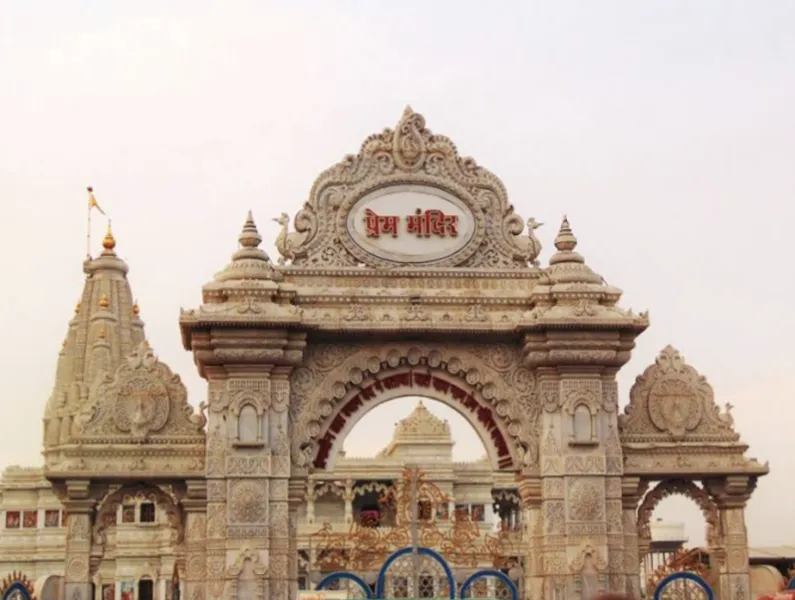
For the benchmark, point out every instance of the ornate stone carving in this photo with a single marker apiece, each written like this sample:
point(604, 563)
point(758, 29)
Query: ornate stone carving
point(585, 392)
point(320, 414)
point(688, 489)
point(671, 401)
point(248, 501)
point(166, 501)
point(585, 498)
point(408, 155)
point(144, 399)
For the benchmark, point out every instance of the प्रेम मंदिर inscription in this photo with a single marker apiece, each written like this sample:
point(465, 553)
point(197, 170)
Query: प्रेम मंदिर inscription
point(423, 224)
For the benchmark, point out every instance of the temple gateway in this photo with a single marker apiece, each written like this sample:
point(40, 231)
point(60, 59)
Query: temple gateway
point(406, 273)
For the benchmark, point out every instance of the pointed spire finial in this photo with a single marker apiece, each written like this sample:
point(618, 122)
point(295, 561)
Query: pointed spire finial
point(408, 111)
point(109, 242)
point(136, 310)
point(250, 237)
point(565, 240)
point(104, 302)
point(77, 308)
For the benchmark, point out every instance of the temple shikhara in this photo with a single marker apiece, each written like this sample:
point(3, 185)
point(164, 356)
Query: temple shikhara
point(406, 274)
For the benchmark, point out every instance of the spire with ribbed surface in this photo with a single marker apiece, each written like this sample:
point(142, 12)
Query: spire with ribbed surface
point(104, 329)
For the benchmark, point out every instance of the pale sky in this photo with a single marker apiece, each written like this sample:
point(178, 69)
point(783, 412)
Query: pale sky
point(665, 130)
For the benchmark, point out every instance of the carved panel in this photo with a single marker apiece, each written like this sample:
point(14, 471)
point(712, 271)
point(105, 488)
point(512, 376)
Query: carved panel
point(585, 499)
point(248, 501)
point(672, 401)
point(490, 377)
point(408, 155)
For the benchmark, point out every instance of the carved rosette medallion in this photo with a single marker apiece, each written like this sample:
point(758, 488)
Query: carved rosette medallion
point(141, 406)
point(674, 407)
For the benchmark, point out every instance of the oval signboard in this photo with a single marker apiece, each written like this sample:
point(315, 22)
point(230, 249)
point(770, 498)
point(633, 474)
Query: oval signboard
point(410, 224)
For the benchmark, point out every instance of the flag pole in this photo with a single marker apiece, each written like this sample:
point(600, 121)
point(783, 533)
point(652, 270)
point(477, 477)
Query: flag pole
point(88, 224)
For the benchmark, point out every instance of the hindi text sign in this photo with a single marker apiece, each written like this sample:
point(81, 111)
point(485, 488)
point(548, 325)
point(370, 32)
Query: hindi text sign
point(410, 224)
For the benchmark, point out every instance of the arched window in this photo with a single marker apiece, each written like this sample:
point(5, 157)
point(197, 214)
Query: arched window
point(582, 425)
point(248, 425)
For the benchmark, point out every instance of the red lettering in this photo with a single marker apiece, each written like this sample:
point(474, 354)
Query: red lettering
point(338, 423)
point(375, 224)
point(422, 380)
point(432, 223)
point(484, 414)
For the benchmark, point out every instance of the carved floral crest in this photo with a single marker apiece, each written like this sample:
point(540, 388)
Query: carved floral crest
point(671, 401)
point(145, 399)
point(409, 155)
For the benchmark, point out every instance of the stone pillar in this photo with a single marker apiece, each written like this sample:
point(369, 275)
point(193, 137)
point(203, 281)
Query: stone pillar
point(731, 494)
point(632, 490)
point(581, 464)
point(347, 496)
point(282, 533)
point(295, 499)
point(310, 501)
point(79, 509)
point(195, 531)
point(530, 495)
point(217, 501)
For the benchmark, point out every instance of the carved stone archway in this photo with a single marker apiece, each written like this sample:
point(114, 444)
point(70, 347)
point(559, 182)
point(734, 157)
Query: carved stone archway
point(337, 385)
point(108, 507)
point(678, 487)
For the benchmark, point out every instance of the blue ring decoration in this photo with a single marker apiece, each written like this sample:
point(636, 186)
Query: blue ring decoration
point(17, 586)
point(687, 576)
point(379, 587)
point(791, 584)
point(490, 573)
point(345, 575)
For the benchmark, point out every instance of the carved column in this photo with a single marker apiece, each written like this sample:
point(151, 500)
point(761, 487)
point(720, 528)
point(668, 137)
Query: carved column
point(348, 498)
point(632, 490)
point(79, 508)
point(283, 575)
point(310, 500)
point(195, 531)
point(296, 498)
point(731, 494)
point(581, 461)
point(218, 442)
point(530, 494)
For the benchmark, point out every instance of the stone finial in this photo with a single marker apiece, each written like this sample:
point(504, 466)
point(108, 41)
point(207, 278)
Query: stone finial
point(565, 240)
point(109, 242)
point(250, 237)
point(249, 261)
point(77, 308)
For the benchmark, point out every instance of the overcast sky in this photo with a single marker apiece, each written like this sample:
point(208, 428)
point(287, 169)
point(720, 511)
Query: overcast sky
point(665, 130)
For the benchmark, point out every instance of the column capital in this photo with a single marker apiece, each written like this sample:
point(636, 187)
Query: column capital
point(632, 491)
point(195, 499)
point(530, 490)
point(732, 491)
point(297, 491)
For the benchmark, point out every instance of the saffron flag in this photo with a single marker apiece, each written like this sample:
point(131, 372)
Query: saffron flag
point(92, 202)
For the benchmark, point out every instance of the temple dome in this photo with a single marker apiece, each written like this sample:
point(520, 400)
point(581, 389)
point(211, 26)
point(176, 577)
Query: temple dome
point(421, 424)
point(106, 327)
